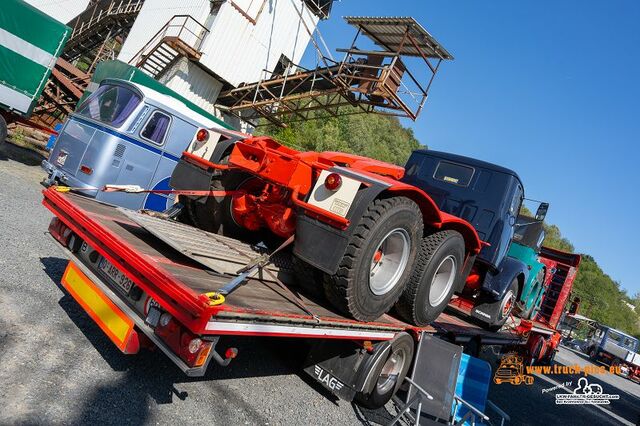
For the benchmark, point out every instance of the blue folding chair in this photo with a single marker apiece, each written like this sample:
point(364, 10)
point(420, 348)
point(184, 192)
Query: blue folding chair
point(447, 387)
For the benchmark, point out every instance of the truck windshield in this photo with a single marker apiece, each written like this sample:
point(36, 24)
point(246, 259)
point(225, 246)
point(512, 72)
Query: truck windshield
point(110, 105)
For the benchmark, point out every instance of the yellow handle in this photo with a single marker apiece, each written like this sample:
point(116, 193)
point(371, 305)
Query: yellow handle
point(63, 189)
point(215, 298)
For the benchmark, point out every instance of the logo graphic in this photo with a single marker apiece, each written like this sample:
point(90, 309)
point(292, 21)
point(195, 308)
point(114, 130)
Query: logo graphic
point(326, 379)
point(511, 370)
point(586, 393)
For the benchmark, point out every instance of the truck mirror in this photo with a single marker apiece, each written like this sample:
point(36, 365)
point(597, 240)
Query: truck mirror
point(542, 211)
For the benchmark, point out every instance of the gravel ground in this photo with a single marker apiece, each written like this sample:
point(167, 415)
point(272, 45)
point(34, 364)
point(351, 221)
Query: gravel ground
point(56, 365)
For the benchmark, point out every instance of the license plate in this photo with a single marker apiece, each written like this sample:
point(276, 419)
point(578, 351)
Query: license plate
point(62, 158)
point(116, 276)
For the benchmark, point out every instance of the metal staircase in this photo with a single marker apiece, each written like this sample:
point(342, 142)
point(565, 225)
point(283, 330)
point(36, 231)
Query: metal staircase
point(182, 36)
point(100, 22)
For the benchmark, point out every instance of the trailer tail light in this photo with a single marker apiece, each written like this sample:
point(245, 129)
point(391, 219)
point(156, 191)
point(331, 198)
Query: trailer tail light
point(60, 231)
point(86, 169)
point(333, 182)
point(202, 135)
point(189, 347)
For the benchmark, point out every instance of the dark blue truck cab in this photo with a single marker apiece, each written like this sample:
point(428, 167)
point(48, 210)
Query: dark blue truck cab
point(489, 197)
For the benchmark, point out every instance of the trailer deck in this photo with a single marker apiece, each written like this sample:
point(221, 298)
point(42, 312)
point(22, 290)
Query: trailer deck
point(260, 307)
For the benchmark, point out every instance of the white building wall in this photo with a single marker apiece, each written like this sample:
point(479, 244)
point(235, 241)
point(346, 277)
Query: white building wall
point(192, 82)
point(154, 15)
point(63, 11)
point(239, 51)
point(235, 49)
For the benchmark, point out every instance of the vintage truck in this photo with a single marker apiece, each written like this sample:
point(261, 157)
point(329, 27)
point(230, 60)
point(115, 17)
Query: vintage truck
point(368, 235)
point(526, 245)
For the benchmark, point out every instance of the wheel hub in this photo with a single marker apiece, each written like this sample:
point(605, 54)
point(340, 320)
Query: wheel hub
point(391, 371)
point(389, 261)
point(442, 280)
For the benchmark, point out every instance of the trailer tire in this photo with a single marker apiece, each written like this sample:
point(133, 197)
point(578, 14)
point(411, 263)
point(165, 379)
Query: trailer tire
point(505, 306)
point(432, 282)
point(3, 130)
point(389, 374)
point(308, 278)
point(365, 286)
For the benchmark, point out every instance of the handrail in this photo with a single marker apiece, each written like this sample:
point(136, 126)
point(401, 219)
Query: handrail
point(163, 33)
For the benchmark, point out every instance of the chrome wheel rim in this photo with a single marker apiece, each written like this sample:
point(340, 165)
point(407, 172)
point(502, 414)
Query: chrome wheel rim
point(507, 304)
point(442, 280)
point(391, 371)
point(389, 261)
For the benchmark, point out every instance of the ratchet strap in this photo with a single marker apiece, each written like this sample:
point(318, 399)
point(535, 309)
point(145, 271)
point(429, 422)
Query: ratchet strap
point(258, 263)
point(135, 189)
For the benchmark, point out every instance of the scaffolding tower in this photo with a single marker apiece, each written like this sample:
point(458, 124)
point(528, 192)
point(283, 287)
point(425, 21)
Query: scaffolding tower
point(382, 79)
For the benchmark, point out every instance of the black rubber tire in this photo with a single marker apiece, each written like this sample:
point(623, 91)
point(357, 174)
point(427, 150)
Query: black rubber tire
point(348, 289)
point(308, 278)
point(3, 130)
point(214, 213)
point(593, 354)
point(375, 399)
point(499, 321)
point(414, 305)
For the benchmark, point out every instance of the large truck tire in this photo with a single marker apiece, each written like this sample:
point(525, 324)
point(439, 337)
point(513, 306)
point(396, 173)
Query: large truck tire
point(432, 283)
point(378, 261)
point(308, 278)
point(389, 374)
point(213, 214)
point(3, 130)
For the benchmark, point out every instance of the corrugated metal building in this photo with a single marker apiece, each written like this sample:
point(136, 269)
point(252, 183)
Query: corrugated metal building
point(63, 11)
point(233, 41)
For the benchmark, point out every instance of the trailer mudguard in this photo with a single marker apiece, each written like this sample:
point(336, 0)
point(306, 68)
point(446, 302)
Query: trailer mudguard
point(322, 245)
point(345, 368)
point(496, 285)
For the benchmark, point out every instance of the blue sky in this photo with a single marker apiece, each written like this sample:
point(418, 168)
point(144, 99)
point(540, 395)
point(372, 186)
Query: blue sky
point(548, 88)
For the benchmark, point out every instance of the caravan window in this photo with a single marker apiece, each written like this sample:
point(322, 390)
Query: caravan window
point(156, 127)
point(110, 104)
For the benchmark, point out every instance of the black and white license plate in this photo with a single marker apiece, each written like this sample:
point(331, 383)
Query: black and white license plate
point(116, 276)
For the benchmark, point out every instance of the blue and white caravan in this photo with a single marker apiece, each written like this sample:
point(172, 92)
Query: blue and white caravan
point(123, 134)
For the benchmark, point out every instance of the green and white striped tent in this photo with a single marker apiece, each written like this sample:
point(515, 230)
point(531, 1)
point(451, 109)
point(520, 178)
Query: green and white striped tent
point(30, 44)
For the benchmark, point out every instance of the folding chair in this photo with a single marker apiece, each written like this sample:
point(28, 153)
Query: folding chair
point(446, 387)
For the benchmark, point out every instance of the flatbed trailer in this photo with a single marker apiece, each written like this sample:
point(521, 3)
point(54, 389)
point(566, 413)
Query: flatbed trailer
point(145, 291)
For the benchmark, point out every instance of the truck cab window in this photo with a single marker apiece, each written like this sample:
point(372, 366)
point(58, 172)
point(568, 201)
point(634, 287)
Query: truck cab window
point(456, 174)
point(156, 127)
point(110, 105)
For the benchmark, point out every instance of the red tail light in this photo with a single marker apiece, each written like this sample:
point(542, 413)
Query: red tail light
point(86, 170)
point(333, 182)
point(202, 135)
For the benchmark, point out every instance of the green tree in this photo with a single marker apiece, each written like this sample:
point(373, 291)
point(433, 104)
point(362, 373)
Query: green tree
point(370, 135)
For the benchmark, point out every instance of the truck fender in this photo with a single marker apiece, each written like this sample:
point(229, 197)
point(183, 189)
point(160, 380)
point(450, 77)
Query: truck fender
point(434, 218)
point(496, 285)
point(323, 246)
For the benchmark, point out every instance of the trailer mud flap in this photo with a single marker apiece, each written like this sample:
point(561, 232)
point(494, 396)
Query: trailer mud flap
point(115, 323)
point(343, 367)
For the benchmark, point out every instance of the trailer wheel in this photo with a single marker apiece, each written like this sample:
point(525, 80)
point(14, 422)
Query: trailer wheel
point(378, 260)
point(593, 354)
point(505, 306)
point(433, 280)
point(3, 130)
point(390, 374)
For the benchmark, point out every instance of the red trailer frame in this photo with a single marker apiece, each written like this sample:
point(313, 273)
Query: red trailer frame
point(177, 289)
